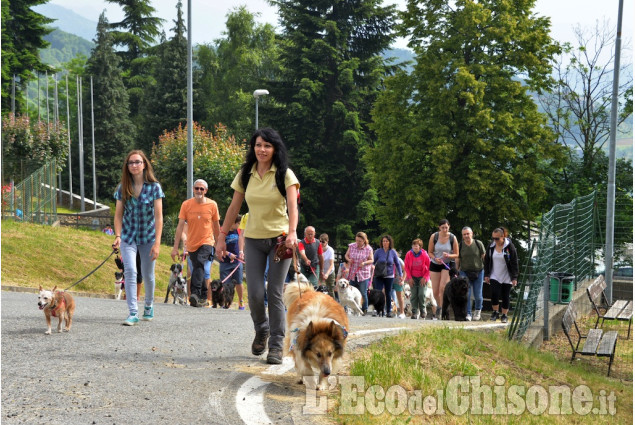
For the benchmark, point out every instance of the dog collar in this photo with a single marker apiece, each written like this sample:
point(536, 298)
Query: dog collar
point(58, 306)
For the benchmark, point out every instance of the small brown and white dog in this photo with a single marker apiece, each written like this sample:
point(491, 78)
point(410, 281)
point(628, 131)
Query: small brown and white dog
point(317, 327)
point(57, 304)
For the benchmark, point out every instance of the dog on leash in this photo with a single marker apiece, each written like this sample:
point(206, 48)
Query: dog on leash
point(177, 285)
point(217, 293)
point(350, 296)
point(428, 299)
point(455, 295)
point(377, 299)
point(58, 304)
point(317, 327)
point(120, 284)
point(228, 293)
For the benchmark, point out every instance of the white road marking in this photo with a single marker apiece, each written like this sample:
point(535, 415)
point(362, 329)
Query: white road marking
point(250, 397)
point(250, 402)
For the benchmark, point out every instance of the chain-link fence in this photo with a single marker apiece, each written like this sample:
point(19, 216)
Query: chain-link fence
point(566, 245)
point(34, 199)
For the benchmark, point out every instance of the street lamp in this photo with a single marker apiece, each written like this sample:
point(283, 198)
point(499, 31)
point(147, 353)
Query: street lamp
point(257, 94)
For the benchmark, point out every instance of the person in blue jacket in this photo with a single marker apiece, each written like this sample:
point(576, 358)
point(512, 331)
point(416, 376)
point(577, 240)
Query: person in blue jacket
point(386, 263)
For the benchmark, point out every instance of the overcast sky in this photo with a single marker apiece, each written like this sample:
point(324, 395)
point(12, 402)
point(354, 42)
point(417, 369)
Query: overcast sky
point(208, 17)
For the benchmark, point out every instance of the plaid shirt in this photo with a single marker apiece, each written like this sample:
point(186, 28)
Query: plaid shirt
point(138, 215)
point(358, 256)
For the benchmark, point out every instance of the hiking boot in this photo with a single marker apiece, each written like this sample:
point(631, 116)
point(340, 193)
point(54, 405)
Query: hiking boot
point(148, 313)
point(477, 315)
point(494, 316)
point(131, 320)
point(274, 356)
point(389, 315)
point(414, 316)
point(193, 300)
point(260, 343)
point(504, 318)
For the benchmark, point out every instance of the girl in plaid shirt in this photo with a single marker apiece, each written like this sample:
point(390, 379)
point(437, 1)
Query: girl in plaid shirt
point(360, 257)
point(138, 225)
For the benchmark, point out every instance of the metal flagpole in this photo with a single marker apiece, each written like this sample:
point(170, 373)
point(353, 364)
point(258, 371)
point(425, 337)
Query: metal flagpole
point(190, 149)
point(80, 126)
point(68, 134)
point(92, 125)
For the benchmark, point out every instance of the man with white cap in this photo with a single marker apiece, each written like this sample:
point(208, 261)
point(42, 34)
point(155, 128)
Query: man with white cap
point(202, 217)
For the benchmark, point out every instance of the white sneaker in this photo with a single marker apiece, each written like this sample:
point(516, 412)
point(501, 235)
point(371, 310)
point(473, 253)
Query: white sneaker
point(477, 315)
point(468, 317)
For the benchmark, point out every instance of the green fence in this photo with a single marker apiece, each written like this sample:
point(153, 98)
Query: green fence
point(34, 199)
point(566, 243)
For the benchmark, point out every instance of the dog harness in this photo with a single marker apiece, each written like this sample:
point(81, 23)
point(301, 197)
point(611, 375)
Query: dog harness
point(296, 331)
point(59, 306)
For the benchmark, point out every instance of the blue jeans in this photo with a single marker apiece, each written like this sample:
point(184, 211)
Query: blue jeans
point(385, 283)
point(129, 257)
point(363, 288)
point(476, 289)
point(227, 268)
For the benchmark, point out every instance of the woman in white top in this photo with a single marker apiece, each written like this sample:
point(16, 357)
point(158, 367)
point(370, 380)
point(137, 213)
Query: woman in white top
point(443, 250)
point(501, 271)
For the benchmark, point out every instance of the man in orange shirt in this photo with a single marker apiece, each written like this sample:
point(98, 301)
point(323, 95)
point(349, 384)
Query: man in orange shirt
point(203, 226)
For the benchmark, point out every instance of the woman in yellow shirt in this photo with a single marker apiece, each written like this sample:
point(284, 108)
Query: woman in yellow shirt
point(270, 189)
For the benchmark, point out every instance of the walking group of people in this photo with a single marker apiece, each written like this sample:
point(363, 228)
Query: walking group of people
point(270, 189)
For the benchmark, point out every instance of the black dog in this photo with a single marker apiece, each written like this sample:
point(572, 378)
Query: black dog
point(377, 299)
point(217, 293)
point(228, 293)
point(455, 295)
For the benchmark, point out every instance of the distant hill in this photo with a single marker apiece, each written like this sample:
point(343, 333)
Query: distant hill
point(64, 47)
point(68, 21)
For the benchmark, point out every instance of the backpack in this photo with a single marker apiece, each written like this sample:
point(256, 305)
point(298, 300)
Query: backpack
point(452, 238)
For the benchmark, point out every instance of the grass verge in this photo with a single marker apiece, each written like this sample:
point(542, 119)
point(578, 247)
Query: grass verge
point(34, 255)
point(435, 363)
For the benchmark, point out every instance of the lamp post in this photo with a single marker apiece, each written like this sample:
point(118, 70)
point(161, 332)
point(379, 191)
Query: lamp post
point(257, 94)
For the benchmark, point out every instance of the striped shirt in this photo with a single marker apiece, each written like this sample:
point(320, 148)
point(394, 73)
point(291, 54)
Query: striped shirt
point(358, 256)
point(138, 215)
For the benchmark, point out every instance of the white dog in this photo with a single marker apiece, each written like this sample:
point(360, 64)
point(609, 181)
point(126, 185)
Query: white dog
point(350, 296)
point(428, 298)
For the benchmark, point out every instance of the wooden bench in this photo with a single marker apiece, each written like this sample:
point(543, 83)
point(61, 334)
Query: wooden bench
point(620, 310)
point(596, 342)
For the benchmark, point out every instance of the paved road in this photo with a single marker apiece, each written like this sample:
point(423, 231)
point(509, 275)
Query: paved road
point(187, 366)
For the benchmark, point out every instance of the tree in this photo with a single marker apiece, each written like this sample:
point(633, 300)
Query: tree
point(22, 37)
point(233, 68)
point(217, 160)
point(579, 108)
point(137, 32)
point(165, 103)
point(332, 71)
point(114, 132)
point(461, 137)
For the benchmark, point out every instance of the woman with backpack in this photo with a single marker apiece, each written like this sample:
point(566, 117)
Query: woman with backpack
point(270, 189)
point(443, 250)
point(470, 263)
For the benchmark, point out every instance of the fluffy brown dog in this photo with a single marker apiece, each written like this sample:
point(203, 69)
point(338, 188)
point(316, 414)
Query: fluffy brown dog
point(317, 327)
point(57, 304)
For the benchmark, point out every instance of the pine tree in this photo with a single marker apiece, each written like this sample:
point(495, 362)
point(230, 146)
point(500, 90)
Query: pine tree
point(22, 37)
point(114, 133)
point(165, 103)
point(332, 75)
point(137, 33)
